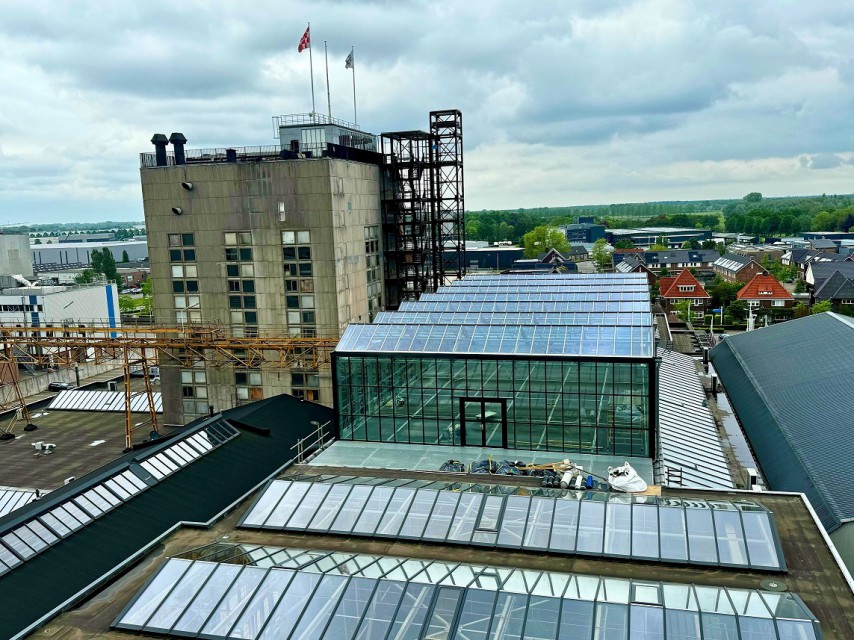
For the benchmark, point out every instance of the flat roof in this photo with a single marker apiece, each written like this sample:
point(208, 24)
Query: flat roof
point(812, 575)
point(85, 440)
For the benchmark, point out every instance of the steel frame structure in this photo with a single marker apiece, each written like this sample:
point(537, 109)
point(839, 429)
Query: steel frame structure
point(407, 215)
point(150, 346)
point(423, 207)
point(449, 227)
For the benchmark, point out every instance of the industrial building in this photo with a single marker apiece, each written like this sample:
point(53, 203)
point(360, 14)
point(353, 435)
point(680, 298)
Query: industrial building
point(326, 228)
point(269, 544)
point(583, 232)
point(645, 237)
point(37, 306)
point(15, 255)
point(46, 257)
point(790, 387)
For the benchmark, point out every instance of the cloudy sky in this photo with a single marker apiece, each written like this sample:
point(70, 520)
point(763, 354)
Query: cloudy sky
point(564, 102)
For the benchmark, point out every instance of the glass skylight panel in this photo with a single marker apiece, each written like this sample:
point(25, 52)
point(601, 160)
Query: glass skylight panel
point(362, 596)
point(601, 524)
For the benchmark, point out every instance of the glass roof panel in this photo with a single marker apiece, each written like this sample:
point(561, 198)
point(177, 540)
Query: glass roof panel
point(456, 600)
point(562, 521)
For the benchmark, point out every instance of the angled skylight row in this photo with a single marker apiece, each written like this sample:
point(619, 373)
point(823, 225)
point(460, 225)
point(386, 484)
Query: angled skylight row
point(720, 533)
point(564, 340)
point(630, 319)
point(529, 305)
point(26, 540)
point(340, 596)
point(187, 450)
point(522, 295)
point(11, 499)
point(43, 531)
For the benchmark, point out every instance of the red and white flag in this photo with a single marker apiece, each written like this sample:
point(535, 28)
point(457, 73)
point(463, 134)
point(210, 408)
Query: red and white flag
point(305, 41)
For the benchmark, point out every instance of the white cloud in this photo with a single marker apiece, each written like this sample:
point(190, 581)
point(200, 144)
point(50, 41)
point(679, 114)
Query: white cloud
point(572, 103)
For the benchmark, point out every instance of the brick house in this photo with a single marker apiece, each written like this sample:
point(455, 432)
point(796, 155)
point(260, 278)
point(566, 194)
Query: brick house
point(732, 267)
point(764, 290)
point(684, 286)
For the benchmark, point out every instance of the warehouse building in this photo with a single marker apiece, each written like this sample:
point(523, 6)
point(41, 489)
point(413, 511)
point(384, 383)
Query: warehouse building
point(790, 385)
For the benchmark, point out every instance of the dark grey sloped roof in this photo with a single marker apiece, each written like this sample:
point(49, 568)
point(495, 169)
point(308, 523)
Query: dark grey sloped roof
point(65, 572)
point(681, 255)
point(790, 385)
point(821, 271)
point(836, 287)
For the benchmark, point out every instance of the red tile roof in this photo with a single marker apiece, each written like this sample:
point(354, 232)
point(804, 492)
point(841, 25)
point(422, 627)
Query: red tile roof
point(764, 287)
point(670, 289)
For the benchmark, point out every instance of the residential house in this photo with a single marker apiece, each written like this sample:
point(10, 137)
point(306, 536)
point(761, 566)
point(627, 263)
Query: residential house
point(700, 260)
point(684, 286)
point(733, 267)
point(838, 289)
point(819, 271)
point(765, 291)
point(824, 245)
point(634, 264)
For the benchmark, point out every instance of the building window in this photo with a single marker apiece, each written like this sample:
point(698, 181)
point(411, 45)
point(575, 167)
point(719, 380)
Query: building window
point(778, 303)
point(305, 385)
point(299, 283)
point(248, 385)
point(194, 391)
point(240, 271)
point(373, 270)
point(184, 274)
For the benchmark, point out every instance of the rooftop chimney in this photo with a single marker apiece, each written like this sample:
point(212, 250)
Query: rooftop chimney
point(178, 141)
point(160, 141)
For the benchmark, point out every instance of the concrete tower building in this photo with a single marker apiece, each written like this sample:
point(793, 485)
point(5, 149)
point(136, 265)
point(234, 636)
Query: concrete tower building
point(282, 239)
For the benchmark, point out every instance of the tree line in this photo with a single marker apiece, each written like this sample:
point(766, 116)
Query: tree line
point(789, 216)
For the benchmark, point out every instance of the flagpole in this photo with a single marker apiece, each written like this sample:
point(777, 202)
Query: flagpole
point(355, 117)
point(311, 69)
point(328, 96)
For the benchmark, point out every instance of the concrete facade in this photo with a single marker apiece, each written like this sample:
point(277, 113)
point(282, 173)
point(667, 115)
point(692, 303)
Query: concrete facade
point(15, 255)
point(281, 246)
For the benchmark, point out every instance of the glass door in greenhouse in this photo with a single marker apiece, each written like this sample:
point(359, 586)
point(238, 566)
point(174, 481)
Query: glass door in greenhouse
point(484, 422)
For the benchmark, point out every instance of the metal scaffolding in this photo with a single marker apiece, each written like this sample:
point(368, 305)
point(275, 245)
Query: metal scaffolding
point(146, 347)
point(423, 207)
point(407, 216)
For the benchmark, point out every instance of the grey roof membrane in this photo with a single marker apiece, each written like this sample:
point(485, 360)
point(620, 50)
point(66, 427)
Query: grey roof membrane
point(790, 385)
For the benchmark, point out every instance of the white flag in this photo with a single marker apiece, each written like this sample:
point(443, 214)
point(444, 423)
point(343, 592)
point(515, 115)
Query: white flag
point(348, 63)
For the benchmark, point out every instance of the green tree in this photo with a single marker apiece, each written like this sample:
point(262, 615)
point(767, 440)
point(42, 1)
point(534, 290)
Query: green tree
point(738, 310)
point(85, 277)
point(665, 272)
point(723, 293)
point(147, 306)
point(801, 310)
point(753, 196)
point(125, 257)
point(624, 244)
point(127, 304)
point(97, 261)
point(800, 286)
point(691, 244)
point(683, 310)
point(602, 254)
point(37, 241)
point(542, 239)
point(821, 307)
point(709, 244)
